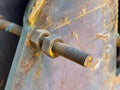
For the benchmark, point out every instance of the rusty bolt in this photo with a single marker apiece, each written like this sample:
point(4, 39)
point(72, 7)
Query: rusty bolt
point(1, 17)
point(48, 43)
point(73, 54)
point(35, 38)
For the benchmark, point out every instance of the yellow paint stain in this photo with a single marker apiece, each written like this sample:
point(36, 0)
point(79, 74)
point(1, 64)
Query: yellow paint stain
point(66, 20)
point(76, 36)
point(37, 74)
point(88, 61)
point(51, 52)
point(116, 26)
point(36, 54)
point(36, 10)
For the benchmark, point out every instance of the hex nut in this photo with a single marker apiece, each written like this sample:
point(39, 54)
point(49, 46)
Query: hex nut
point(48, 45)
point(35, 38)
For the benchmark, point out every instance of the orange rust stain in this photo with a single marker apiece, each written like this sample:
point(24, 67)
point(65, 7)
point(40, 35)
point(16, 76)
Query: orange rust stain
point(106, 25)
point(72, 33)
point(107, 47)
point(115, 81)
point(49, 21)
point(84, 11)
point(27, 43)
point(75, 35)
point(18, 83)
point(27, 65)
point(106, 56)
point(102, 36)
point(63, 23)
point(110, 2)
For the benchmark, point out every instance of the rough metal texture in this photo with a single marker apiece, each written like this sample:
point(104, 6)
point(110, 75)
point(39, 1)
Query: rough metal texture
point(90, 25)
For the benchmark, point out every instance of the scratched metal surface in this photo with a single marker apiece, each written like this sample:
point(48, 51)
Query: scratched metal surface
point(89, 25)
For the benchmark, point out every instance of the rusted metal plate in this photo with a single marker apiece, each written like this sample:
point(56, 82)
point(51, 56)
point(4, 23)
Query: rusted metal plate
point(89, 25)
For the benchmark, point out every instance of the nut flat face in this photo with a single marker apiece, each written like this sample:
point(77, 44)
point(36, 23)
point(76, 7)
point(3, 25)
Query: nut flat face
point(48, 43)
point(35, 38)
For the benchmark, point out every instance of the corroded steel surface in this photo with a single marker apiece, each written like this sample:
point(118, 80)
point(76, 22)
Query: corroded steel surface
point(89, 25)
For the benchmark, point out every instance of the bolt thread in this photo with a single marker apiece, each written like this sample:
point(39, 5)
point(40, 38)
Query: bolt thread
point(71, 53)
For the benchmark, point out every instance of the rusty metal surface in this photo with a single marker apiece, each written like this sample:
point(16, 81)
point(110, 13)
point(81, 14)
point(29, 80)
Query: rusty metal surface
point(89, 25)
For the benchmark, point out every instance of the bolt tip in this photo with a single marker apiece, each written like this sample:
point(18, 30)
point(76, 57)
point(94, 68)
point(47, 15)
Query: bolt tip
point(88, 61)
